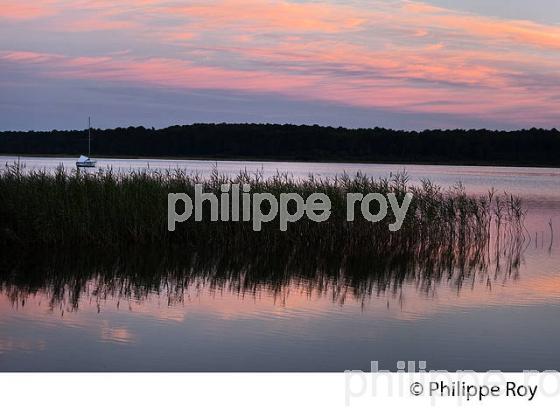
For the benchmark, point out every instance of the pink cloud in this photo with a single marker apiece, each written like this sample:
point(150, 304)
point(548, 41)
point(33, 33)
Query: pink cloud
point(365, 92)
point(402, 55)
point(271, 15)
point(27, 56)
point(177, 73)
point(21, 10)
point(24, 10)
point(97, 24)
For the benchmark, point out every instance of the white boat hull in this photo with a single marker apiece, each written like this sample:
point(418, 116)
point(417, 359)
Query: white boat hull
point(86, 164)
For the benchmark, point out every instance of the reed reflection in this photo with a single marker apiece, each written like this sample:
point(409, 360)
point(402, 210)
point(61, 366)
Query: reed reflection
point(68, 276)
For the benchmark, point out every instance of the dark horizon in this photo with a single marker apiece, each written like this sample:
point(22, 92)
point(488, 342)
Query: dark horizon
point(532, 147)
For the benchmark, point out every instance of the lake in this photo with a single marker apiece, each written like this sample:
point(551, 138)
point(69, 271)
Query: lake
point(504, 317)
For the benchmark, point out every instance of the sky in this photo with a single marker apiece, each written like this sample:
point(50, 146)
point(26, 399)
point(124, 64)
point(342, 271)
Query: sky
point(392, 63)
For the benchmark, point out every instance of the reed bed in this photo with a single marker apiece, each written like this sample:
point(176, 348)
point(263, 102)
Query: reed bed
point(68, 232)
point(109, 209)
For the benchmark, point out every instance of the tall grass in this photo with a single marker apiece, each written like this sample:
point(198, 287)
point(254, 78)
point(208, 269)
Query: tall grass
point(108, 209)
point(111, 209)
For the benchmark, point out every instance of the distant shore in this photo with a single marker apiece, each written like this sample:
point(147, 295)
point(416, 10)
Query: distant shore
point(291, 143)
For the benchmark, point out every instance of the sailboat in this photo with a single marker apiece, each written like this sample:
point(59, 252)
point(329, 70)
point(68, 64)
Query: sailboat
point(83, 161)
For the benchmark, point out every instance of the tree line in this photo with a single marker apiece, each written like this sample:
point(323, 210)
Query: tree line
point(298, 143)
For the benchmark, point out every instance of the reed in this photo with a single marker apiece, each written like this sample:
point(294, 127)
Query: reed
point(107, 209)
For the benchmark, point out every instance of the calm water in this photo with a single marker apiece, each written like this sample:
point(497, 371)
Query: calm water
point(504, 318)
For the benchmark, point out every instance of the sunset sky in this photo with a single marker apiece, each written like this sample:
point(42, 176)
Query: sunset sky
point(392, 63)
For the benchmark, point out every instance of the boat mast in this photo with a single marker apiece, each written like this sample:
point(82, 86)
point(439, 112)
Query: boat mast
point(89, 136)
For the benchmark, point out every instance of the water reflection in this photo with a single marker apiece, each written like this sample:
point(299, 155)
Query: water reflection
point(70, 276)
point(314, 308)
point(163, 309)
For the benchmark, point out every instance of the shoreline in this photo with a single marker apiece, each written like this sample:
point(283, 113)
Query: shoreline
point(504, 164)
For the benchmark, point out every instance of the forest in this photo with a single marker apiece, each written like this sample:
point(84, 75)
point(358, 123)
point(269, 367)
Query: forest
point(534, 146)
